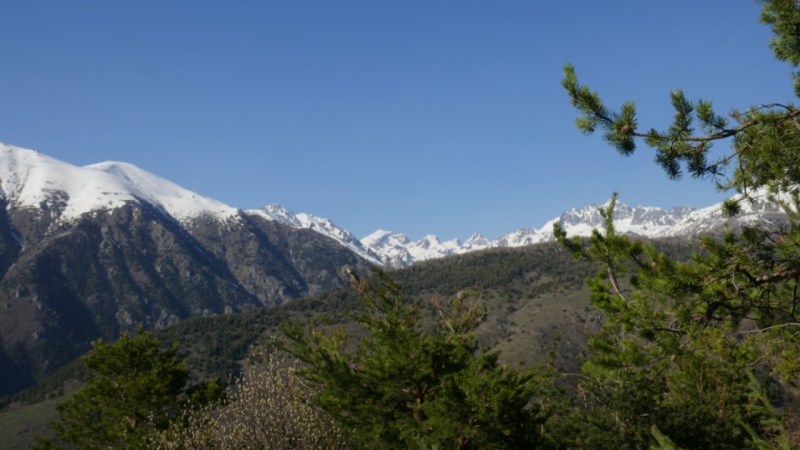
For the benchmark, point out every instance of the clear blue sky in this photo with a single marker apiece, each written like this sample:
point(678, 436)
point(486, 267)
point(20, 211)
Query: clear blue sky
point(420, 116)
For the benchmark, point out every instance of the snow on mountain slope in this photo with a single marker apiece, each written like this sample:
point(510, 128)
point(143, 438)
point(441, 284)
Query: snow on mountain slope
point(180, 203)
point(640, 220)
point(392, 248)
point(396, 250)
point(705, 220)
point(31, 179)
point(431, 247)
point(319, 224)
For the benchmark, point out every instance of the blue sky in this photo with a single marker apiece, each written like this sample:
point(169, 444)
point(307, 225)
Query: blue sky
point(443, 117)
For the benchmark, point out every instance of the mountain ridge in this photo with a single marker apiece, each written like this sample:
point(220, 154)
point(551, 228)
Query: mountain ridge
point(397, 250)
point(26, 178)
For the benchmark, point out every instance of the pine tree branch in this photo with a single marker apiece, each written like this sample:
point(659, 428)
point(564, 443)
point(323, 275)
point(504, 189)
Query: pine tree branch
point(772, 327)
point(780, 276)
point(725, 133)
point(612, 277)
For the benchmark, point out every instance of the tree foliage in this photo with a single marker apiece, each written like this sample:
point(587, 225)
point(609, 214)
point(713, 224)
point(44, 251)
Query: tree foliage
point(133, 387)
point(415, 383)
point(677, 351)
point(697, 354)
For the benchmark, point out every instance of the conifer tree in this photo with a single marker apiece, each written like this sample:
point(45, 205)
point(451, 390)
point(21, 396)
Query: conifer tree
point(696, 354)
point(415, 384)
point(132, 388)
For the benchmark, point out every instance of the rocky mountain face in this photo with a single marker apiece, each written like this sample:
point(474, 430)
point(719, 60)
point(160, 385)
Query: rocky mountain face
point(319, 225)
point(92, 252)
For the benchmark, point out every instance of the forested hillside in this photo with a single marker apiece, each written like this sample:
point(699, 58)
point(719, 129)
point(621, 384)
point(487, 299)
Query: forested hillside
point(536, 301)
point(535, 298)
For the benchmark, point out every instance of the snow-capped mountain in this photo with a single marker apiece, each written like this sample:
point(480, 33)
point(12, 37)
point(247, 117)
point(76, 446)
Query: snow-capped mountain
point(31, 179)
point(396, 250)
point(89, 252)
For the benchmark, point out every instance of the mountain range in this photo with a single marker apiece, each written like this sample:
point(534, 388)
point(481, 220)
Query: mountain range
point(30, 179)
point(396, 250)
point(91, 252)
point(393, 250)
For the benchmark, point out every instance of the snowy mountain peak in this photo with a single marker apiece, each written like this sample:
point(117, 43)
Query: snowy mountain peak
point(428, 241)
point(177, 201)
point(477, 241)
point(320, 225)
point(278, 213)
point(30, 179)
point(391, 248)
point(383, 238)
